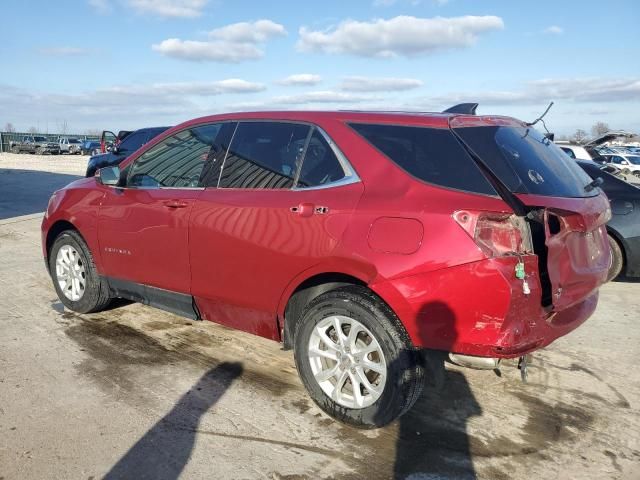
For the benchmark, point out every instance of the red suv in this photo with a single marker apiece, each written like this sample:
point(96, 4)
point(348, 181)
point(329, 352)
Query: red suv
point(354, 238)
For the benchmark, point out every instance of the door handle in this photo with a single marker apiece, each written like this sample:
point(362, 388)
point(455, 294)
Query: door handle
point(175, 203)
point(308, 209)
point(304, 209)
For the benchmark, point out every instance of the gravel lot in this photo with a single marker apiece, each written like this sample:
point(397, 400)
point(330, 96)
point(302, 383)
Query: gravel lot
point(139, 393)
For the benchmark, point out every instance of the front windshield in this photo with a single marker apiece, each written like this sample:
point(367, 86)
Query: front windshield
point(634, 159)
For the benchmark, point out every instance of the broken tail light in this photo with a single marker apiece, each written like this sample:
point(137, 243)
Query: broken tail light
point(496, 233)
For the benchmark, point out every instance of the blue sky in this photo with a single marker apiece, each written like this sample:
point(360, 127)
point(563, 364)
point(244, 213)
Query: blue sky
point(120, 64)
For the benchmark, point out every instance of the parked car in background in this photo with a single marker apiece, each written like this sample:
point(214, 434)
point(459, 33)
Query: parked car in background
point(132, 141)
point(624, 227)
point(588, 151)
point(34, 144)
point(355, 238)
point(70, 145)
point(90, 147)
point(628, 162)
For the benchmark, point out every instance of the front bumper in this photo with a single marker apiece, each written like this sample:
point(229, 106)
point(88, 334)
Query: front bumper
point(481, 309)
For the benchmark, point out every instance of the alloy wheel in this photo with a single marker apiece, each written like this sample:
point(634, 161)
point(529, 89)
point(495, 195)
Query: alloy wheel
point(70, 273)
point(347, 361)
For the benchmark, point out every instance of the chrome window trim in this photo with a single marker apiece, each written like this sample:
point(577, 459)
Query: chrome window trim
point(350, 175)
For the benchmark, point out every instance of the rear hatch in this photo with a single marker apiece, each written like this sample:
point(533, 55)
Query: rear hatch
point(540, 181)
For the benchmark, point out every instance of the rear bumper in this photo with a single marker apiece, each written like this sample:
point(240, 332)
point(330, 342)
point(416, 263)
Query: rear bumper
point(481, 309)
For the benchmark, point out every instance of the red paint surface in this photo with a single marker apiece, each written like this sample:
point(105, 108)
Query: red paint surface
point(242, 253)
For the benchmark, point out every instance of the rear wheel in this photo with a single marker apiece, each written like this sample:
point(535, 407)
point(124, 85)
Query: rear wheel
point(74, 275)
point(355, 358)
point(617, 259)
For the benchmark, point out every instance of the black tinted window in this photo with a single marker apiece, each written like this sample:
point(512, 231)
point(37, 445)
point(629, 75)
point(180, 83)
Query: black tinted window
point(320, 164)
point(215, 159)
point(430, 154)
point(133, 142)
point(525, 161)
point(177, 161)
point(264, 155)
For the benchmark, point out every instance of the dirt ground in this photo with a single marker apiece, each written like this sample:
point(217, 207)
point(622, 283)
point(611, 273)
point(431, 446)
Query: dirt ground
point(135, 392)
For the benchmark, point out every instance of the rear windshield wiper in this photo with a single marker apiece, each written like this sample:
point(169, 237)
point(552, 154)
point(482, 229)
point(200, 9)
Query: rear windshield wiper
point(596, 183)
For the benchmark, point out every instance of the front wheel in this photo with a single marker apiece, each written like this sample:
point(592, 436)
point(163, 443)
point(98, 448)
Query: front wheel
point(39, 151)
point(75, 278)
point(355, 358)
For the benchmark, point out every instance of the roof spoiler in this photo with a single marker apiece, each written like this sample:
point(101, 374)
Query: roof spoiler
point(463, 108)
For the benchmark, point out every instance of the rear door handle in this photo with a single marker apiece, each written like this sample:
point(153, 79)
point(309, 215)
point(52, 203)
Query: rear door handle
point(175, 203)
point(304, 209)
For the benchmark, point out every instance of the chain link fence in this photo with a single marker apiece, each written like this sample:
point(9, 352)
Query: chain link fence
point(8, 138)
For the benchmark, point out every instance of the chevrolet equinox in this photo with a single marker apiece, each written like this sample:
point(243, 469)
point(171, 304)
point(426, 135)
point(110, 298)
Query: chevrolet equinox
point(355, 238)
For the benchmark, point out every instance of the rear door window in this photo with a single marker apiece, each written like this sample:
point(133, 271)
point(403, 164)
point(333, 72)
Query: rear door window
point(320, 165)
point(432, 155)
point(526, 161)
point(264, 155)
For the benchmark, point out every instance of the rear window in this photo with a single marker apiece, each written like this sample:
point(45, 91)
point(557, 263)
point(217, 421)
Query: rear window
point(526, 161)
point(432, 155)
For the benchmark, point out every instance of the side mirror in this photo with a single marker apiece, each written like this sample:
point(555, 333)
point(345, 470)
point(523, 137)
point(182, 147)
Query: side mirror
point(109, 176)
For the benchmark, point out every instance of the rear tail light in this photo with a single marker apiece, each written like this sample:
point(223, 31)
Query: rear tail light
point(496, 233)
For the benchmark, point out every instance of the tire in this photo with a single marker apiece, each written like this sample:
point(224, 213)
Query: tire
point(401, 363)
point(39, 151)
point(95, 295)
point(617, 261)
point(15, 150)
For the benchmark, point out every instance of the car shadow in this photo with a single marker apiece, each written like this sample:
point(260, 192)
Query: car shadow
point(432, 439)
point(24, 192)
point(163, 452)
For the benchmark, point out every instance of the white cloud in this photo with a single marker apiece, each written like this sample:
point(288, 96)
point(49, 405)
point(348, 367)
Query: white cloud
point(300, 79)
point(249, 32)
point(398, 36)
point(169, 8)
point(539, 92)
point(121, 106)
point(231, 85)
point(63, 51)
point(101, 6)
point(198, 51)
point(554, 30)
point(367, 84)
point(322, 96)
point(233, 43)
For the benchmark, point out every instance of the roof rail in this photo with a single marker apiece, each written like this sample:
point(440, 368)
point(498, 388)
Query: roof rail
point(463, 108)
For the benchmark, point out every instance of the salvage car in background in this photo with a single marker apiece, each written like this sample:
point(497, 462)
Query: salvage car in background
point(34, 144)
point(71, 146)
point(624, 227)
point(355, 238)
point(587, 150)
point(623, 161)
point(132, 141)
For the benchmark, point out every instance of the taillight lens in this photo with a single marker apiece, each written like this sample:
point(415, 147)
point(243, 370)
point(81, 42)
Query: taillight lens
point(496, 233)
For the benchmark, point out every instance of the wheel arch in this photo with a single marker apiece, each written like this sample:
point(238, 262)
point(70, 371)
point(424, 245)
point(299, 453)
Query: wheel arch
point(56, 229)
point(304, 291)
